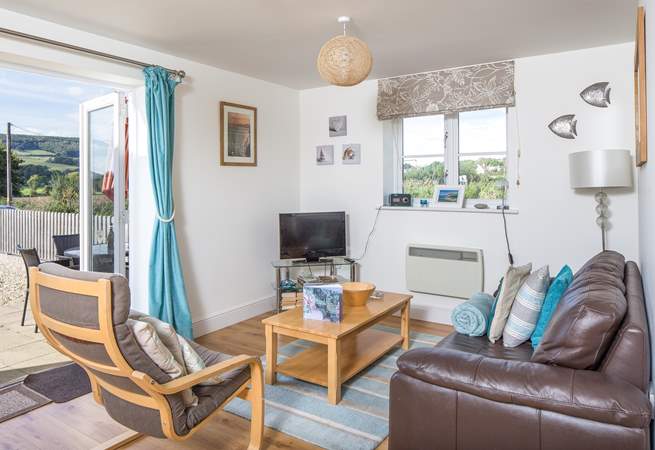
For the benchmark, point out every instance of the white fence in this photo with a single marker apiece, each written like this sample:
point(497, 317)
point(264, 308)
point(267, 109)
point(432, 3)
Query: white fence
point(34, 229)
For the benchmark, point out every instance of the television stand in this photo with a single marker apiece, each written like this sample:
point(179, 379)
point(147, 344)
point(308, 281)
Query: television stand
point(333, 263)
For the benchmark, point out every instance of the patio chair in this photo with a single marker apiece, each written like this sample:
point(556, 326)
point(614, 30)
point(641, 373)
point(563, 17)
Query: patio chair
point(65, 242)
point(84, 314)
point(30, 259)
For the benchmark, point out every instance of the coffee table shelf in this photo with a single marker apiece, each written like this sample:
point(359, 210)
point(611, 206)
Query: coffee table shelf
point(357, 353)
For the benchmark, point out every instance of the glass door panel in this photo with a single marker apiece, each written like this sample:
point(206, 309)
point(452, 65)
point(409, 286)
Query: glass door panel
point(102, 181)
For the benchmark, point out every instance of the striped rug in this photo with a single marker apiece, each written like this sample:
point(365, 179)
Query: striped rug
point(358, 422)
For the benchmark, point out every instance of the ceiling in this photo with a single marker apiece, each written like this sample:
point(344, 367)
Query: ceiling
point(278, 40)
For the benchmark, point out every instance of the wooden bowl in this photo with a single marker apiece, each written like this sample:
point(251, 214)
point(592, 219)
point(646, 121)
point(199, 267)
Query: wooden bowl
point(356, 293)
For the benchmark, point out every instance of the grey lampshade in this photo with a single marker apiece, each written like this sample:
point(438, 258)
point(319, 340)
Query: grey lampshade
point(600, 169)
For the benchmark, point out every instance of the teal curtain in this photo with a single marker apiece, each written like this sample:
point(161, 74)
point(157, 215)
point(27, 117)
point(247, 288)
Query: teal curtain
point(167, 294)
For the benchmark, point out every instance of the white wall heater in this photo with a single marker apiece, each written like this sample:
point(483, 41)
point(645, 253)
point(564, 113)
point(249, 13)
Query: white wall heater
point(447, 271)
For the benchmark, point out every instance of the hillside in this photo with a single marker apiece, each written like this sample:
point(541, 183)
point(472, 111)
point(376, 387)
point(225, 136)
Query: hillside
point(52, 145)
point(44, 155)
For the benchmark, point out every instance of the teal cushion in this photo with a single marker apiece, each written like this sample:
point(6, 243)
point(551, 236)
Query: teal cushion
point(554, 294)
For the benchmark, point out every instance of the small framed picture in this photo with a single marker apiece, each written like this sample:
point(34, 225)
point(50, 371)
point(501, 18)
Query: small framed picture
point(325, 155)
point(238, 135)
point(338, 126)
point(351, 154)
point(449, 196)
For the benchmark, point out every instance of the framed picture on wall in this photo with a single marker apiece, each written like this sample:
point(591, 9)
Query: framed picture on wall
point(449, 196)
point(641, 133)
point(238, 124)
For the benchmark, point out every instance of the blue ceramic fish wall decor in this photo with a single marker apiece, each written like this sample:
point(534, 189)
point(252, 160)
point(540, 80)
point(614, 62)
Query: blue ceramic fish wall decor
point(564, 126)
point(598, 94)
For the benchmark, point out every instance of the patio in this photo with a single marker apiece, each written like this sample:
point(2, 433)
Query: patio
point(21, 350)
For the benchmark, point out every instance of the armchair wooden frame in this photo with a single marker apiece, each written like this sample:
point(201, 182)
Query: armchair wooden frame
point(252, 390)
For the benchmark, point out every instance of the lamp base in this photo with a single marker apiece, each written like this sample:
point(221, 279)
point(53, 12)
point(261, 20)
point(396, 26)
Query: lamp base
point(602, 211)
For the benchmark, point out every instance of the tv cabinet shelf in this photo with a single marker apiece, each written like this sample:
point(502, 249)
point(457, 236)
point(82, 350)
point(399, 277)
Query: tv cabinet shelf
point(329, 265)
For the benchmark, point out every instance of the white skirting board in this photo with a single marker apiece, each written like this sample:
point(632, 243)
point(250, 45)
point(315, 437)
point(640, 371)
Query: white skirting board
point(431, 313)
point(232, 316)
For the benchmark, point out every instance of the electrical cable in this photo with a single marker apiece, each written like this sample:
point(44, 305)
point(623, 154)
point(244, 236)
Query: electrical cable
point(502, 212)
point(368, 239)
point(33, 133)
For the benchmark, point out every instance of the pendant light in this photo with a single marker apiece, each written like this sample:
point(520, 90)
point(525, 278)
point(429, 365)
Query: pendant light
point(344, 60)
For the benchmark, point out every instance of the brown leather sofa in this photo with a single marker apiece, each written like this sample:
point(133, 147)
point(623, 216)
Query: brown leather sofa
point(584, 387)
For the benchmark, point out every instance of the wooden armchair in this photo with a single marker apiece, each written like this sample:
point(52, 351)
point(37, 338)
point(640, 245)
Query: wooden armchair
point(83, 315)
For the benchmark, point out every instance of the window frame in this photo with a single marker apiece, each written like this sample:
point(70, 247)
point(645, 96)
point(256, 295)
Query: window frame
point(451, 155)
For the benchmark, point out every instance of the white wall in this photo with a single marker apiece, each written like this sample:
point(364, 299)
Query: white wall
point(554, 225)
point(647, 181)
point(225, 216)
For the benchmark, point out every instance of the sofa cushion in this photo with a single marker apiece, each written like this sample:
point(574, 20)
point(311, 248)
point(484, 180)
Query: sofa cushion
point(526, 308)
point(512, 282)
point(480, 345)
point(554, 295)
point(588, 315)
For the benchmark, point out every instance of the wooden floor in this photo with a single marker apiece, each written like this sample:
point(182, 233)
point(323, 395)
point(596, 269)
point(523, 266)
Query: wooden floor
point(81, 424)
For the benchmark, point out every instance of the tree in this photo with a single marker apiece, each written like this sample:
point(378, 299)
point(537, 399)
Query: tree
point(64, 193)
point(16, 172)
point(33, 184)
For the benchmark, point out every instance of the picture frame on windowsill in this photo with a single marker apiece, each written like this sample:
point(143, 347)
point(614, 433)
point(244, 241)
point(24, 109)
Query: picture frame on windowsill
point(448, 196)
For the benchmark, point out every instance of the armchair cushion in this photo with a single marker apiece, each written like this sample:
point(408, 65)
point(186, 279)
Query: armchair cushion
point(580, 393)
point(211, 397)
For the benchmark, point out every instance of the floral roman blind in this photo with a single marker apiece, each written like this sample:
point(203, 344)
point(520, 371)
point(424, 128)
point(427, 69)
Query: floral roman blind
point(446, 91)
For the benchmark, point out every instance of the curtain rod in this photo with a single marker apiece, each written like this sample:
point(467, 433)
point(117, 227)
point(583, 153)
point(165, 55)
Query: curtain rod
point(178, 73)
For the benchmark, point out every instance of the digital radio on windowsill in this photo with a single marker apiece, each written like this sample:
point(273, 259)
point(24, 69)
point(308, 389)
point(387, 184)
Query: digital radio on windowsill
point(400, 200)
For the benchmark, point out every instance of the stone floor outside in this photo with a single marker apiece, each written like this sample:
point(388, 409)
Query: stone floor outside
point(22, 351)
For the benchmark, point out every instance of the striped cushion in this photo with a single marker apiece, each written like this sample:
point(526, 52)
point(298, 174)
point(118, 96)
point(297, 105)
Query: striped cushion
point(526, 308)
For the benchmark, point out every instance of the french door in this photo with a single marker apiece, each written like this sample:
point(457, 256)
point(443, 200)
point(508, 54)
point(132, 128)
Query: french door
point(103, 184)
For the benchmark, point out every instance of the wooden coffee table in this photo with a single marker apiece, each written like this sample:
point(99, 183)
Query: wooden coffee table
point(347, 347)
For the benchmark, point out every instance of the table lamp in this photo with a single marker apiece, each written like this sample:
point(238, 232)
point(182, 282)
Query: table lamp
point(600, 169)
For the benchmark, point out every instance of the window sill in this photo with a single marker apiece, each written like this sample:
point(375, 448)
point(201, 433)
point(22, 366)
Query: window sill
point(453, 210)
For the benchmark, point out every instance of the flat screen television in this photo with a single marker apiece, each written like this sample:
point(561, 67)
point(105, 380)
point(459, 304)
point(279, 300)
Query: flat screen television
point(312, 235)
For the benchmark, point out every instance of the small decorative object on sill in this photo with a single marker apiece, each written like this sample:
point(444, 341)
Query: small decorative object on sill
point(564, 126)
point(449, 196)
point(344, 60)
point(481, 206)
point(423, 202)
point(598, 94)
point(400, 200)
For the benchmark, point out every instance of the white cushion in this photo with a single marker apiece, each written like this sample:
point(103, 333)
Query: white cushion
point(194, 363)
point(149, 340)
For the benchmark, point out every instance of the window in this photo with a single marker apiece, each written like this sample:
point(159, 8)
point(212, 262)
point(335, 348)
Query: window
point(468, 148)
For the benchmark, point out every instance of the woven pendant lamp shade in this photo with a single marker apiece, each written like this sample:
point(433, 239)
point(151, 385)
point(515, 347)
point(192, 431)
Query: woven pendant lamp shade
point(344, 61)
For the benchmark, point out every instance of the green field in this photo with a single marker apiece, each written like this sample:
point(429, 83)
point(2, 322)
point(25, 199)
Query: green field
point(39, 157)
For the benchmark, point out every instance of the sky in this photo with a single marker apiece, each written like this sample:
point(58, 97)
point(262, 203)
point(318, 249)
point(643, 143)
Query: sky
point(479, 131)
point(43, 104)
